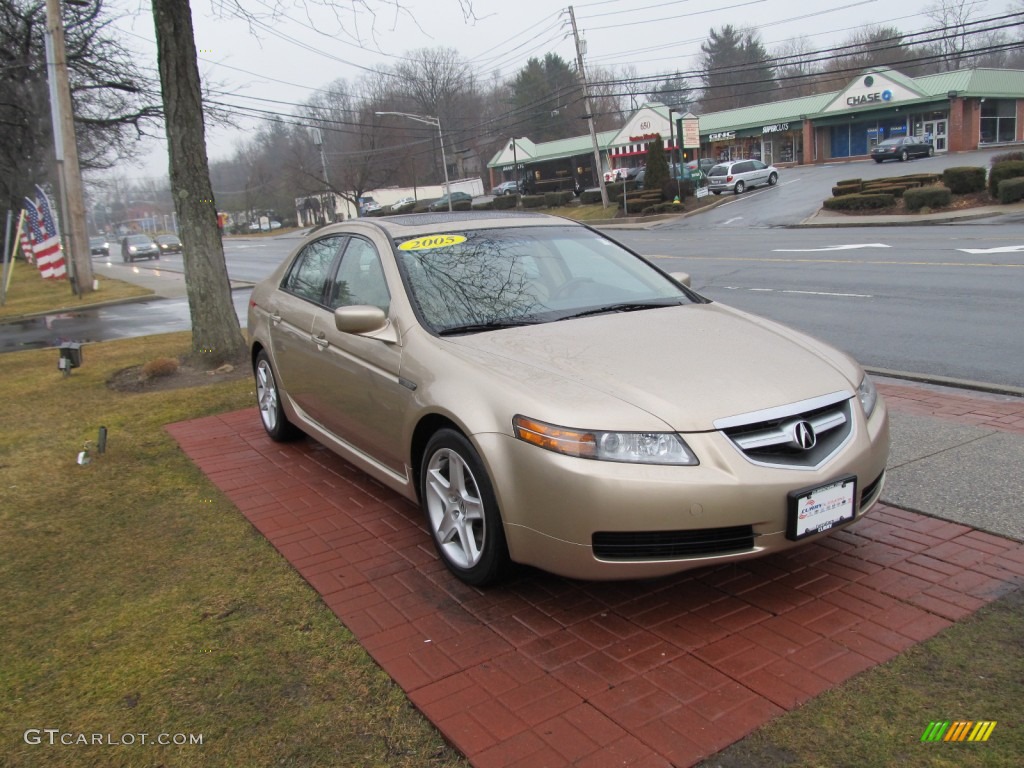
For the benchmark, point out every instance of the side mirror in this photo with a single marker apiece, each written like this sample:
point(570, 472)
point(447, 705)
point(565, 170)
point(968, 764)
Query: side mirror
point(360, 319)
point(681, 277)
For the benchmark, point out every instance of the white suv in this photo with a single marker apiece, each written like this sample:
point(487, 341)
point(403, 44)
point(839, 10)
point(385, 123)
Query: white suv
point(737, 176)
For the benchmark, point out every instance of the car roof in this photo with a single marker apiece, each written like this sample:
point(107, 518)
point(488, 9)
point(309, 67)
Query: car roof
point(415, 224)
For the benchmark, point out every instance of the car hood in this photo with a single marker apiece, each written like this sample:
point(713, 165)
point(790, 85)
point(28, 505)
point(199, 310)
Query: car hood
point(686, 365)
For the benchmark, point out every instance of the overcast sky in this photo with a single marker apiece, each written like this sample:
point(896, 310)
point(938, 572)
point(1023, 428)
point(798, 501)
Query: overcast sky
point(306, 46)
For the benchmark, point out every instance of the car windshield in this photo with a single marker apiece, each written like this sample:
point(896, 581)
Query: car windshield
point(487, 279)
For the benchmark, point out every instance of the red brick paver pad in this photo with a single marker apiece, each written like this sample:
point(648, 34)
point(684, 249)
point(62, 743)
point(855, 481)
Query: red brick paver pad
point(545, 671)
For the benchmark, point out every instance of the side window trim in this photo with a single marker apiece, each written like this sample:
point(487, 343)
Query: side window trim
point(321, 301)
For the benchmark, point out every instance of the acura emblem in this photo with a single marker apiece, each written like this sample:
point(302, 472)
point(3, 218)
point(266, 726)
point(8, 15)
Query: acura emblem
point(803, 435)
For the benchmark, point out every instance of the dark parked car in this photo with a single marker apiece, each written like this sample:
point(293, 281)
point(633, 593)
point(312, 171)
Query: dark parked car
point(441, 204)
point(168, 244)
point(139, 247)
point(901, 149)
point(98, 246)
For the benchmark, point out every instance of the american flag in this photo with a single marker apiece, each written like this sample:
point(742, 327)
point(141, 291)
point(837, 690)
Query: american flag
point(42, 229)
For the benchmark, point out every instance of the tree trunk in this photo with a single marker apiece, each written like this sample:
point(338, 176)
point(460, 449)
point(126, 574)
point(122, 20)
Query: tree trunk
point(216, 334)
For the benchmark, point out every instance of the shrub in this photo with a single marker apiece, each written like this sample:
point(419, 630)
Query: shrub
point(486, 205)
point(861, 202)
point(420, 206)
point(532, 201)
point(1005, 156)
point(845, 189)
point(505, 202)
point(1011, 190)
point(159, 367)
point(462, 205)
point(657, 172)
point(590, 196)
point(964, 180)
point(896, 190)
point(671, 188)
point(1008, 169)
point(557, 199)
point(848, 182)
point(927, 197)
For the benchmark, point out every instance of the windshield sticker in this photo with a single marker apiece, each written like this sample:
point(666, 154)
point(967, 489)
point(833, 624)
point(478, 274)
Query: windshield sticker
point(431, 241)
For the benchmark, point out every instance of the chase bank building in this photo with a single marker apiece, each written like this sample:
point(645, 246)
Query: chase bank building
point(957, 111)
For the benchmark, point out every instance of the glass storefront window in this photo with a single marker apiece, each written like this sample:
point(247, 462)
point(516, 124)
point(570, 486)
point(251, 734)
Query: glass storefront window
point(998, 121)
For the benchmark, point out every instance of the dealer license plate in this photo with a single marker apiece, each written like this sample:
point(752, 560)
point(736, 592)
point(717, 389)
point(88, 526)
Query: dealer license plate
point(819, 508)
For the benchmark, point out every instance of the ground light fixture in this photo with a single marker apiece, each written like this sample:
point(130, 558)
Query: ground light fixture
point(435, 121)
point(70, 356)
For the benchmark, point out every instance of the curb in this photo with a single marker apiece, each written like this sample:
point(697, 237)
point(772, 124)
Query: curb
point(947, 381)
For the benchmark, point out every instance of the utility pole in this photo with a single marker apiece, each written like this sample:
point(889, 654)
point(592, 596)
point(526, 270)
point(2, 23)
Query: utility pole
point(590, 109)
point(318, 140)
point(68, 170)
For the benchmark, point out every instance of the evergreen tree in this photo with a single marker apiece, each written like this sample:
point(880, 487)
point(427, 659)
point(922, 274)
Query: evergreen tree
point(735, 70)
point(545, 98)
point(657, 165)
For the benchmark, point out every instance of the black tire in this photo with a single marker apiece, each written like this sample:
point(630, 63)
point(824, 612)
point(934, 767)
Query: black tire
point(773, 179)
point(904, 156)
point(878, 160)
point(931, 151)
point(716, 192)
point(738, 189)
point(463, 515)
point(268, 398)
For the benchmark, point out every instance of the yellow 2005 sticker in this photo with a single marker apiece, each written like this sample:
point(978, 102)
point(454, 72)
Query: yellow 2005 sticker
point(431, 241)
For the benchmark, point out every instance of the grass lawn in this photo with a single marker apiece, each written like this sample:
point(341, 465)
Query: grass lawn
point(134, 598)
point(29, 293)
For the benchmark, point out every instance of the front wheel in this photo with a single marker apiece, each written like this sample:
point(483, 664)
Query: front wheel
point(931, 151)
point(878, 160)
point(715, 192)
point(268, 397)
point(462, 510)
point(904, 156)
point(740, 186)
point(773, 179)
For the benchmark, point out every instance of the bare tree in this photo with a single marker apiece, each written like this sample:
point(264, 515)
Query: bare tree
point(216, 334)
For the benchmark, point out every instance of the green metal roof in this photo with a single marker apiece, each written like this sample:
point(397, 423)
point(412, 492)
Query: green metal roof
point(997, 83)
point(552, 150)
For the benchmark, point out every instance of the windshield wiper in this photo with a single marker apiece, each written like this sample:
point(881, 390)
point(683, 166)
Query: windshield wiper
point(492, 325)
point(628, 306)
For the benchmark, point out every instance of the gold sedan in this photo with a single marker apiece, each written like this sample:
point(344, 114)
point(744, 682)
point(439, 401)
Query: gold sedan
point(551, 398)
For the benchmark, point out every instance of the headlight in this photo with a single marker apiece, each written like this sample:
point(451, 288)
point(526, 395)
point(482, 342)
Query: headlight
point(632, 447)
point(868, 395)
point(132, 249)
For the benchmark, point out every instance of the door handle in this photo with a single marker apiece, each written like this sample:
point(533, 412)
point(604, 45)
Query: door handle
point(275, 317)
point(321, 341)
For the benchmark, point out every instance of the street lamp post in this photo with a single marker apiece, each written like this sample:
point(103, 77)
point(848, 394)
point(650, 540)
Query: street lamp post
point(435, 121)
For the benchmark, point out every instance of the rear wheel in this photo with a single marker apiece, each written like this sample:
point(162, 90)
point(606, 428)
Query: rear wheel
point(904, 156)
point(738, 189)
point(268, 397)
point(461, 510)
point(931, 151)
point(878, 160)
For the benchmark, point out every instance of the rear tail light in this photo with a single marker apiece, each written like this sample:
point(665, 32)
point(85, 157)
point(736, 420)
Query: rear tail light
point(729, 177)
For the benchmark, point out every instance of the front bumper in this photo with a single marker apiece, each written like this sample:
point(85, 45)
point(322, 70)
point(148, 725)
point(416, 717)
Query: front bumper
point(552, 505)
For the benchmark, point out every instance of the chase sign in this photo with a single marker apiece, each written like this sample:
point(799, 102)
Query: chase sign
point(869, 99)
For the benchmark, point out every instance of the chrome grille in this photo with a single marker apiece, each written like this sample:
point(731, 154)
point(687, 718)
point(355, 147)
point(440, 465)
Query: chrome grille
point(803, 435)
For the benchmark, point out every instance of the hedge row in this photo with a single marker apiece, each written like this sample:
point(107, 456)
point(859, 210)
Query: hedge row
point(860, 202)
point(505, 202)
point(963, 180)
point(1011, 190)
point(1005, 156)
point(557, 199)
point(532, 201)
point(927, 197)
point(1008, 169)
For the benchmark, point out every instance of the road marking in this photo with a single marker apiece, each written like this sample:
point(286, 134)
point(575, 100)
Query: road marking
point(831, 248)
point(730, 221)
point(842, 261)
point(1001, 249)
point(805, 293)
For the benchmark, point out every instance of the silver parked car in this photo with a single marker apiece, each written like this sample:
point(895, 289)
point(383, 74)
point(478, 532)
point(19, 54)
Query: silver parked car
point(738, 175)
point(550, 397)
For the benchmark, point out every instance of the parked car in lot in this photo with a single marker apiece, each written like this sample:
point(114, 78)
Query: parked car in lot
point(441, 204)
point(401, 203)
point(139, 247)
point(550, 397)
point(168, 243)
point(99, 246)
point(740, 175)
point(506, 188)
point(902, 149)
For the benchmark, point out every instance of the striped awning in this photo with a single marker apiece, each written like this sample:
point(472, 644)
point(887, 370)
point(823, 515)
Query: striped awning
point(638, 149)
